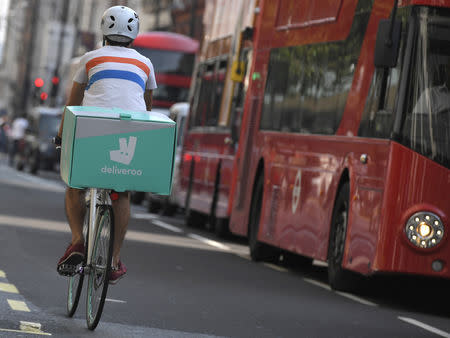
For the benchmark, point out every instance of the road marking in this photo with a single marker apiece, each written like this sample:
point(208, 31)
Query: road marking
point(6, 287)
point(144, 216)
point(29, 328)
point(356, 298)
point(18, 305)
point(115, 300)
point(209, 242)
point(316, 283)
point(2, 274)
point(276, 267)
point(343, 294)
point(245, 256)
point(319, 263)
point(425, 326)
point(28, 332)
point(166, 226)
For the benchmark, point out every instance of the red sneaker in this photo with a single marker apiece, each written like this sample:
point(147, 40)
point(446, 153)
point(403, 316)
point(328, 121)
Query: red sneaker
point(117, 273)
point(73, 256)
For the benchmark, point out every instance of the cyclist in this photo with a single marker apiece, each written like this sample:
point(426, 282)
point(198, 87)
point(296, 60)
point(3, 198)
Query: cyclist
point(112, 76)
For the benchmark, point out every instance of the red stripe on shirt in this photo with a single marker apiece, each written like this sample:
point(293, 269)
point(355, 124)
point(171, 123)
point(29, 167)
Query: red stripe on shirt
point(102, 59)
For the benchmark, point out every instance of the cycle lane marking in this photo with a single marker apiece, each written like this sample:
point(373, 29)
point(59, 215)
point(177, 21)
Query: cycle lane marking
point(424, 326)
point(8, 287)
point(25, 327)
point(18, 305)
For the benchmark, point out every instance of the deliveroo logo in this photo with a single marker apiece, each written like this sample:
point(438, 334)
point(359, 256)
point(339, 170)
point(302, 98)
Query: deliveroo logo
point(125, 154)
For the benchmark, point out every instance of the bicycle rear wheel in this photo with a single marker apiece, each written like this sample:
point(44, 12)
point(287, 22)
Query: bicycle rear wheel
point(100, 267)
point(76, 281)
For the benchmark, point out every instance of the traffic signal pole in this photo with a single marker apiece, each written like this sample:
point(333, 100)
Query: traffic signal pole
point(55, 78)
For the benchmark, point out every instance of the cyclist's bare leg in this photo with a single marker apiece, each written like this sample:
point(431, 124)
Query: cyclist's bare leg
point(121, 209)
point(75, 211)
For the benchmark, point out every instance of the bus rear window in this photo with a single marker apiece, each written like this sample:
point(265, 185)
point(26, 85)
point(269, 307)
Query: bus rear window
point(169, 62)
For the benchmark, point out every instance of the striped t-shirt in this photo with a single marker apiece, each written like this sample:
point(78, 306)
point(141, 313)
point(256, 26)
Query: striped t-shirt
point(115, 77)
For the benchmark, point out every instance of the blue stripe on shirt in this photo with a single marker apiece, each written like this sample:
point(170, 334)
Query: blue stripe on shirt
point(116, 74)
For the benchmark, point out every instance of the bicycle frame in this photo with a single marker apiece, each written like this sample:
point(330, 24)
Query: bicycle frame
point(94, 202)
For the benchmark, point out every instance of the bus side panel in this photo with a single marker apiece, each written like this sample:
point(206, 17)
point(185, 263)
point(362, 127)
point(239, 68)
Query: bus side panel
point(368, 162)
point(207, 150)
point(414, 183)
point(301, 184)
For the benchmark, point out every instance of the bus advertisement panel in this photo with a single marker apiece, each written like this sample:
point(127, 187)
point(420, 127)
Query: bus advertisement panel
point(173, 57)
point(339, 160)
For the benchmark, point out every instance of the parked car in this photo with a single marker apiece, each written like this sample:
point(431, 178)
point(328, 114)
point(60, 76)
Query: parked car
point(40, 152)
point(169, 204)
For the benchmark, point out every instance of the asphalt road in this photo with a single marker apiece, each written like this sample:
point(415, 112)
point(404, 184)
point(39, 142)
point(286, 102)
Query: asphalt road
point(184, 282)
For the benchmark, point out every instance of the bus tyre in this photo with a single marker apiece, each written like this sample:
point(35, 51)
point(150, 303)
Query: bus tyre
point(153, 206)
point(169, 209)
point(338, 278)
point(137, 197)
point(194, 219)
point(221, 227)
point(258, 251)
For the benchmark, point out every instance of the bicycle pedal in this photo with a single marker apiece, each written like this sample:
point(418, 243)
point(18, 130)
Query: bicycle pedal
point(67, 270)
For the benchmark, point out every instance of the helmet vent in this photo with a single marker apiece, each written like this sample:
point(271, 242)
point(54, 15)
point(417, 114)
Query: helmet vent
point(130, 20)
point(113, 18)
point(111, 26)
point(129, 28)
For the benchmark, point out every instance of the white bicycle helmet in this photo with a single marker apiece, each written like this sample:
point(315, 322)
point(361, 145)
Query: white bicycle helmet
point(120, 24)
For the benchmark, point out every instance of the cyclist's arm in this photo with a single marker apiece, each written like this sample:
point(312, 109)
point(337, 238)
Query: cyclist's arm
point(75, 99)
point(148, 97)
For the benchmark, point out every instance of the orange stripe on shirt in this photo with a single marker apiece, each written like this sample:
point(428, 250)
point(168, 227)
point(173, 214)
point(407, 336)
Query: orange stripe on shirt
point(102, 59)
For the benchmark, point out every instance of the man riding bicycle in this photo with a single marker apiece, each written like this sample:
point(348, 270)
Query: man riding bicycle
point(112, 76)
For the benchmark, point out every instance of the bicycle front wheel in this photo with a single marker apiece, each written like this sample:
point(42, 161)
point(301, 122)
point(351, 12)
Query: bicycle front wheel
point(100, 267)
point(76, 281)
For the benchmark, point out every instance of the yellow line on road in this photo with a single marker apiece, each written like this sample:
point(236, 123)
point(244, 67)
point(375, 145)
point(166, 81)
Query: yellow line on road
point(6, 287)
point(18, 305)
point(2, 274)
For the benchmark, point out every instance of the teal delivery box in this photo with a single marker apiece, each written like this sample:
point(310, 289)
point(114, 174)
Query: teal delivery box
point(117, 149)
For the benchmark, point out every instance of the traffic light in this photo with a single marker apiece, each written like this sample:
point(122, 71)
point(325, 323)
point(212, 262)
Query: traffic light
point(54, 89)
point(43, 96)
point(37, 90)
point(39, 82)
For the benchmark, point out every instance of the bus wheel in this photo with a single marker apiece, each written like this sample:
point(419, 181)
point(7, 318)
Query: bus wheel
point(338, 278)
point(194, 219)
point(221, 227)
point(258, 251)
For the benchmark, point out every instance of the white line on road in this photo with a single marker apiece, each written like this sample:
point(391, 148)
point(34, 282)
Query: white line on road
point(425, 326)
point(115, 300)
point(344, 294)
point(316, 283)
point(356, 298)
point(144, 216)
point(275, 267)
point(209, 242)
point(166, 226)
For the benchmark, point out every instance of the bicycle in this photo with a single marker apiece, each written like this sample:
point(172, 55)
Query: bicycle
point(98, 224)
point(98, 231)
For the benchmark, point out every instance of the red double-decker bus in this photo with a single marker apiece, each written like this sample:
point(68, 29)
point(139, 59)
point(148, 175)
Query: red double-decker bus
point(344, 147)
point(173, 58)
point(216, 108)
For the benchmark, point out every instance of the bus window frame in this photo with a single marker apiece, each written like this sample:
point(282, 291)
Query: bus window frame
point(219, 65)
point(400, 113)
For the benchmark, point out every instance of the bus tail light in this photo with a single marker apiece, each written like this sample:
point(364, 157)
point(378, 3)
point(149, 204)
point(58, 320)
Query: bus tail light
point(424, 229)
